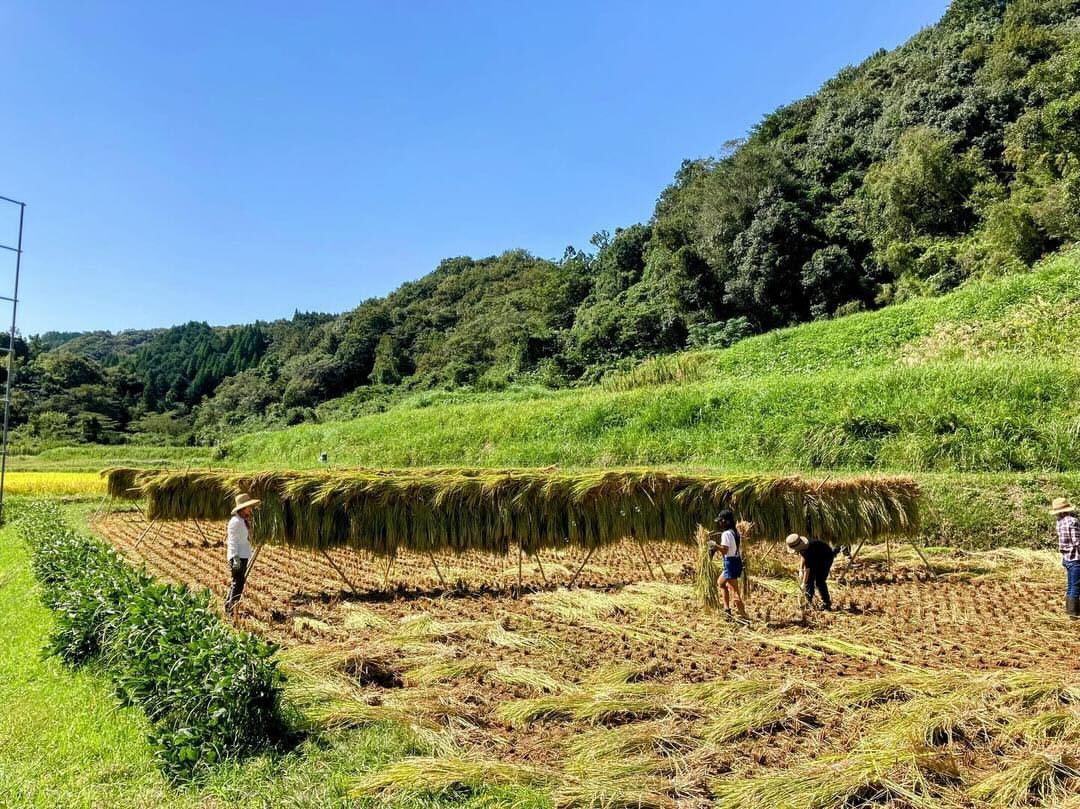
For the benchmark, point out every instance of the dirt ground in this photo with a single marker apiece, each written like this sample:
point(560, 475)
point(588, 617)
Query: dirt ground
point(449, 643)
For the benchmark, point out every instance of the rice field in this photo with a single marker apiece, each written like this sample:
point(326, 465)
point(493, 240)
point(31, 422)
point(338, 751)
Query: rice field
point(54, 484)
point(958, 689)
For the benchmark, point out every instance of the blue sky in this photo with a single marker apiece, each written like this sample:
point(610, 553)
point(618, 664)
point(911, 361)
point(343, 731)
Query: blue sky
point(237, 161)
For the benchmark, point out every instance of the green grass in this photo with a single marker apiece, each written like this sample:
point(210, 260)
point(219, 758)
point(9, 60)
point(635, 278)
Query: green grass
point(93, 457)
point(993, 509)
point(65, 742)
point(985, 379)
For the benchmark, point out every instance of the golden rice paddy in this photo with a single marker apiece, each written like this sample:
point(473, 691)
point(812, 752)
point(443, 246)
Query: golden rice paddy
point(54, 484)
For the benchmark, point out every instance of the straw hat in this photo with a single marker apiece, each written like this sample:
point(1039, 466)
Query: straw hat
point(1061, 506)
point(796, 543)
point(243, 501)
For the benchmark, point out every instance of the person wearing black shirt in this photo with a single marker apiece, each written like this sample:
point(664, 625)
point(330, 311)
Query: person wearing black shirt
point(817, 561)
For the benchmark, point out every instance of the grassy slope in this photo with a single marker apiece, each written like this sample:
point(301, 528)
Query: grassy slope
point(984, 379)
point(65, 742)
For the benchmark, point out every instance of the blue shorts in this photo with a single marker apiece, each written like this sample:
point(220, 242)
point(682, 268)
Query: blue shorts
point(732, 567)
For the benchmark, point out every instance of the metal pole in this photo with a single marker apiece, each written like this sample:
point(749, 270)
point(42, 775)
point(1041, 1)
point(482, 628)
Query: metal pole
point(11, 361)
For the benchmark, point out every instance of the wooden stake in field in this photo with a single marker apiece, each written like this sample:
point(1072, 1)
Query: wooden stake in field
point(101, 506)
point(584, 562)
point(645, 556)
point(540, 565)
point(438, 572)
point(520, 553)
point(851, 561)
point(340, 572)
point(146, 531)
point(205, 539)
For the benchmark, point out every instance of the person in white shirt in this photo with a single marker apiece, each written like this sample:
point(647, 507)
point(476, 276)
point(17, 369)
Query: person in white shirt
point(733, 565)
point(238, 547)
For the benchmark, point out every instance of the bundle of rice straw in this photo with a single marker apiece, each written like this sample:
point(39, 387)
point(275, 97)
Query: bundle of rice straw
point(707, 573)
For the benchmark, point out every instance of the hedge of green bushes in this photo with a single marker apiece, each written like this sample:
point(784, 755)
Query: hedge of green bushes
point(210, 693)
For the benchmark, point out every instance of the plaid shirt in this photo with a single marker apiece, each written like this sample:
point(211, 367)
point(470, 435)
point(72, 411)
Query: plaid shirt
point(1068, 531)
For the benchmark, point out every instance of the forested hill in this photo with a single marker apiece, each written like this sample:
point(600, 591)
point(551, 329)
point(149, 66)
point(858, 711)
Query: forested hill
point(954, 156)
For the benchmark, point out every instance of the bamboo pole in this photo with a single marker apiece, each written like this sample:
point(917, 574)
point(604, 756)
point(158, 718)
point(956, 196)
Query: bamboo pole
point(645, 556)
point(198, 527)
point(584, 562)
point(659, 564)
point(101, 505)
point(146, 530)
point(540, 565)
point(851, 561)
point(344, 578)
point(442, 581)
point(250, 565)
point(922, 556)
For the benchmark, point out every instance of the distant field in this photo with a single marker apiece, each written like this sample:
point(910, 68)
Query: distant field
point(54, 484)
point(94, 457)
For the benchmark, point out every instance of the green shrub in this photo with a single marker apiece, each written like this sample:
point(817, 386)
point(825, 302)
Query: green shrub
point(210, 693)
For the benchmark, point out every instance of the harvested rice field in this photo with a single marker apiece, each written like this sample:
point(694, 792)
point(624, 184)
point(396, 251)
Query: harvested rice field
point(960, 689)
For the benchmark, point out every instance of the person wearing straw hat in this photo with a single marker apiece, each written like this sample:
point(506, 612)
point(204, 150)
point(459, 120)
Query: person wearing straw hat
point(238, 547)
point(815, 564)
point(1068, 533)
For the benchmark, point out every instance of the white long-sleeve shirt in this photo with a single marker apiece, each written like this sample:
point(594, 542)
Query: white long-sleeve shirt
point(239, 543)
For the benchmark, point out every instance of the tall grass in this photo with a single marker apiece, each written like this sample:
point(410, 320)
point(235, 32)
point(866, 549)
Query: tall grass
point(663, 370)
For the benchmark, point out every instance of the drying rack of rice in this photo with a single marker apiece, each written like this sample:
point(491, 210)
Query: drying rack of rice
point(461, 510)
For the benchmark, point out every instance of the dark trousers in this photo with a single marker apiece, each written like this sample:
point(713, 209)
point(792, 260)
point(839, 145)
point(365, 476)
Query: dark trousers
point(817, 577)
point(1072, 579)
point(238, 567)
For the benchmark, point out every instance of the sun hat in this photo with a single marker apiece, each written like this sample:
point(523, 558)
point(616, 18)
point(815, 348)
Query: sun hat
point(796, 543)
point(1061, 506)
point(243, 501)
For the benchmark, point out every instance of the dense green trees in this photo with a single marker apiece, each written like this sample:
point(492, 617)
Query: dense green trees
point(953, 156)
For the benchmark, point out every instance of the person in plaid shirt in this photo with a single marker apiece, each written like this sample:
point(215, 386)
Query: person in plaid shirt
point(1068, 532)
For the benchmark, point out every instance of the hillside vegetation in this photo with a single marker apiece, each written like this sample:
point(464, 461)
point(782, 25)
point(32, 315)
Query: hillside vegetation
point(950, 158)
point(982, 379)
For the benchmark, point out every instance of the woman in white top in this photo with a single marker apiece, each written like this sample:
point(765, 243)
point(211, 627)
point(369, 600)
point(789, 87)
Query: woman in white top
point(238, 547)
point(733, 565)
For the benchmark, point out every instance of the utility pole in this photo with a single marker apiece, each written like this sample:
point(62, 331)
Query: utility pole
point(14, 300)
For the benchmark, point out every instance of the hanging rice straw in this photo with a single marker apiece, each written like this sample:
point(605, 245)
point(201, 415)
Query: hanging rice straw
point(459, 511)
